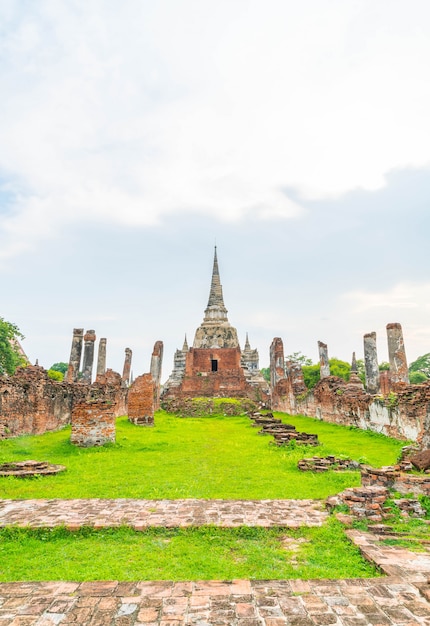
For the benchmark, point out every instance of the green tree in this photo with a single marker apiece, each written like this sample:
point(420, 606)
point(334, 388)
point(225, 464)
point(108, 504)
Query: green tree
point(421, 364)
point(60, 367)
point(298, 357)
point(339, 368)
point(383, 366)
point(265, 372)
point(55, 375)
point(10, 355)
point(311, 373)
point(415, 378)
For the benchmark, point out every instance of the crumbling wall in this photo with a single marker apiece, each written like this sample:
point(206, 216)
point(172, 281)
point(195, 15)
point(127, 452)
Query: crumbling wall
point(403, 413)
point(93, 423)
point(32, 403)
point(142, 397)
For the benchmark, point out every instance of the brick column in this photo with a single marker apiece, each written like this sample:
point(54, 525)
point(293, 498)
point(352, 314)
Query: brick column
point(75, 355)
point(324, 364)
point(277, 362)
point(141, 401)
point(155, 370)
point(396, 354)
point(101, 357)
point(371, 364)
point(127, 366)
point(87, 367)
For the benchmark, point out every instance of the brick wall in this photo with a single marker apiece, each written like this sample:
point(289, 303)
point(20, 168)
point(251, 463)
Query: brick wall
point(404, 413)
point(93, 423)
point(142, 400)
point(32, 403)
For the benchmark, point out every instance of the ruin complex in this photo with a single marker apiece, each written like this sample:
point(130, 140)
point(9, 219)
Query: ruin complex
point(388, 404)
point(215, 366)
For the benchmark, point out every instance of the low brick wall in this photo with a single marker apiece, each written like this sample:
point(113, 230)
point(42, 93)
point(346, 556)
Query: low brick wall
point(393, 478)
point(362, 502)
point(93, 424)
point(323, 464)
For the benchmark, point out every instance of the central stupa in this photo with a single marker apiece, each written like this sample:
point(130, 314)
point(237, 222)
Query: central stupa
point(215, 366)
point(216, 331)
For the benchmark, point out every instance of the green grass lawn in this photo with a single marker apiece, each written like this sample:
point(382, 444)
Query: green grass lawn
point(211, 457)
point(206, 553)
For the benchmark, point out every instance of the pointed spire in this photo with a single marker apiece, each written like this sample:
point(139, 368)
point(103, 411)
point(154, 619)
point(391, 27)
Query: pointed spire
point(185, 346)
point(247, 345)
point(215, 311)
point(354, 364)
point(215, 296)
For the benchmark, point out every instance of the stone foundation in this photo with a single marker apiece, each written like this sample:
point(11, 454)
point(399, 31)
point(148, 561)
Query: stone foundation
point(93, 424)
point(319, 464)
point(362, 502)
point(392, 478)
point(27, 469)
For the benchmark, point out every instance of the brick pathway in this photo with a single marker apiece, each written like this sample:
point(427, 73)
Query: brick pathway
point(167, 513)
point(358, 602)
point(402, 598)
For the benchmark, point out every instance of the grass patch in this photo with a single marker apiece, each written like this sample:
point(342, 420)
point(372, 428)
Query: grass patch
point(205, 553)
point(210, 457)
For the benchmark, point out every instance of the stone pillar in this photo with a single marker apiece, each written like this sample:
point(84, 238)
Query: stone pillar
point(75, 356)
point(371, 364)
point(127, 366)
point(324, 364)
point(277, 362)
point(87, 367)
point(295, 372)
point(155, 370)
point(93, 423)
point(101, 358)
point(354, 379)
point(396, 354)
point(141, 401)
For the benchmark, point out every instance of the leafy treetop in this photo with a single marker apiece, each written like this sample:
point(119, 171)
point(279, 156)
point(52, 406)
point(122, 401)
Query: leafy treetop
point(10, 355)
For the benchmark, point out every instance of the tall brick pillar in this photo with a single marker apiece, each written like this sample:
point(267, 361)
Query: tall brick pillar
point(277, 361)
point(371, 364)
point(324, 364)
point(127, 366)
point(75, 355)
point(141, 401)
point(155, 370)
point(87, 367)
point(101, 357)
point(396, 354)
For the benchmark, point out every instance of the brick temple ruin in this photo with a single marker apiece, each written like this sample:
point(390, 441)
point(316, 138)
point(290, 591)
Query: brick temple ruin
point(32, 403)
point(387, 403)
point(215, 366)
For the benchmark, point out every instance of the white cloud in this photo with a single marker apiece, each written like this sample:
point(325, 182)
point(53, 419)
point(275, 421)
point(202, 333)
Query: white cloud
point(399, 297)
point(130, 115)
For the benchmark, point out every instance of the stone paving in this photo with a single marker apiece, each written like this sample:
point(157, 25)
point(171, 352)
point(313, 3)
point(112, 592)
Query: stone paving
point(401, 598)
point(168, 513)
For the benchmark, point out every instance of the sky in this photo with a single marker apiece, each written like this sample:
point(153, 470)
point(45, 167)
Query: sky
point(135, 136)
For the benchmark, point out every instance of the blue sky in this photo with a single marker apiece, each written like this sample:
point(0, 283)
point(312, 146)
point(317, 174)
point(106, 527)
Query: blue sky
point(294, 135)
